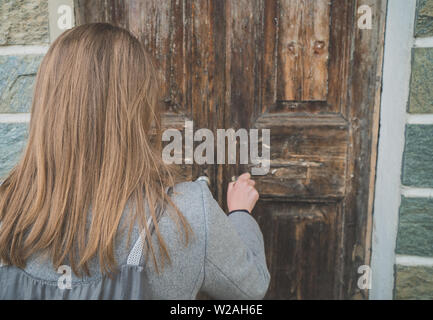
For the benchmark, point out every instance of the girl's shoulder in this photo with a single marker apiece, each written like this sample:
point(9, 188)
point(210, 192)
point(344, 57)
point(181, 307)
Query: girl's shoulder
point(193, 193)
point(196, 202)
point(191, 197)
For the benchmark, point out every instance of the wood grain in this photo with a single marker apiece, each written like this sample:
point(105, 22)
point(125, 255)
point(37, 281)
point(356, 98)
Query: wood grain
point(303, 42)
point(300, 241)
point(308, 157)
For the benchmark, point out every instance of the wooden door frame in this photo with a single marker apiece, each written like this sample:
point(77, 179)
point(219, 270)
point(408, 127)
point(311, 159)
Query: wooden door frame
point(396, 76)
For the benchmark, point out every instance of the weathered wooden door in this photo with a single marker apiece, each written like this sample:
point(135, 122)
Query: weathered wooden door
point(309, 71)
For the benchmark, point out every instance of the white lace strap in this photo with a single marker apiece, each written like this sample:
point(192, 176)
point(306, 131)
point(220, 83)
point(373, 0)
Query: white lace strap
point(134, 256)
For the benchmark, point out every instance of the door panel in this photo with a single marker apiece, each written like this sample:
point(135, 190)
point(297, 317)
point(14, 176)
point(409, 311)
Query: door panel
point(302, 49)
point(285, 63)
point(308, 157)
point(301, 241)
point(302, 69)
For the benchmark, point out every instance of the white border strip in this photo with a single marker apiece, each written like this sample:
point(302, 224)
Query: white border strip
point(409, 192)
point(14, 117)
point(424, 42)
point(413, 261)
point(420, 119)
point(395, 93)
point(21, 50)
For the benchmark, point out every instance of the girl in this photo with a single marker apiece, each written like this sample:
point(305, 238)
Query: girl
point(92, 212)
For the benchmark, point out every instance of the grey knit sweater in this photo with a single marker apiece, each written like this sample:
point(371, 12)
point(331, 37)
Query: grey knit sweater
point(224, 259)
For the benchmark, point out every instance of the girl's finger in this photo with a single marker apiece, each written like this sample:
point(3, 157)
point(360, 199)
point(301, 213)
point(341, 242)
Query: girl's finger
point(244, 176)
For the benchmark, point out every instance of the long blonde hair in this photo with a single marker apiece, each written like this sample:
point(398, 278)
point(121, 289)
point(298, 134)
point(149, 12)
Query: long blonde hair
point(95, 100)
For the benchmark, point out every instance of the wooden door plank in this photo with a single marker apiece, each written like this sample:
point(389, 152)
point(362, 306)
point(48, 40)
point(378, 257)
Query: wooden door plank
point(363, 103)
point(113, 11)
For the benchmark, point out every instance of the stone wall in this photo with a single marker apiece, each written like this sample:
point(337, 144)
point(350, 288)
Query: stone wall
point(24, 37)
point(24, 22)
point(414, 280)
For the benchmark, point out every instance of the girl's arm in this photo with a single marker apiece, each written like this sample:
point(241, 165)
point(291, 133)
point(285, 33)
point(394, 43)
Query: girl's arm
point(235, 265)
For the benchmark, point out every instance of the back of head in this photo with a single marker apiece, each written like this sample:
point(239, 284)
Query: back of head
point(95, 100)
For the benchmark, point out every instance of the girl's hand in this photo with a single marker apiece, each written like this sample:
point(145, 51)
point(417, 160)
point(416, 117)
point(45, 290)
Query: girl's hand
point(241, 194)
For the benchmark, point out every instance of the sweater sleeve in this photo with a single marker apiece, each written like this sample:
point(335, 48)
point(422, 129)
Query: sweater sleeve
point(235, 264)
